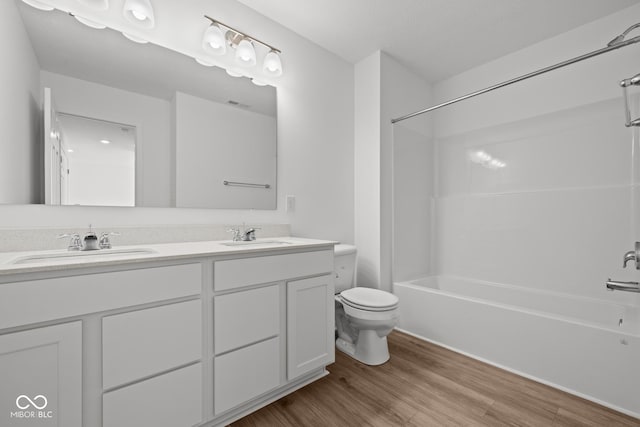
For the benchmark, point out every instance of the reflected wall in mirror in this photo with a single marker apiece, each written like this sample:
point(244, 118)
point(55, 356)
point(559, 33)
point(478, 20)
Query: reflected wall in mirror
point(194, 127)
point(98, 161)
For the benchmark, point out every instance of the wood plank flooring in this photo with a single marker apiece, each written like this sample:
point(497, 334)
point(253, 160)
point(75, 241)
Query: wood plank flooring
point(427, 385)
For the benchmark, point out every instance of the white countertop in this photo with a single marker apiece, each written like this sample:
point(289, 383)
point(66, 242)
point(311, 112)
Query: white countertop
point(10, 262)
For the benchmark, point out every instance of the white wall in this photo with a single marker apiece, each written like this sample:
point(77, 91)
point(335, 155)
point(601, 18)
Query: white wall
point(367, 170)
point(560, 215)
point(385, 89)
point(403, 92)
point(315, 148)
point(217, 142)
point(19, 112)
point(108, 179)
point(149, 115)
point(413, 191)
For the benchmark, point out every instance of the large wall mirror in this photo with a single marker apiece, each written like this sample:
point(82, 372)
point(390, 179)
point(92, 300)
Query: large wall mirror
point(118, 123)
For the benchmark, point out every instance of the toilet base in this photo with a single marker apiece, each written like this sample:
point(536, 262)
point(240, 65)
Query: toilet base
point(370, 348)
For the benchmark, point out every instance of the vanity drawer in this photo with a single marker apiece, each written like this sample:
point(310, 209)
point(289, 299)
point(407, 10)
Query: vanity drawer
point(22, 303)
point(146, 342)
point(237, 273)
point(246, 317)
point(169, 400)
point(246, 373)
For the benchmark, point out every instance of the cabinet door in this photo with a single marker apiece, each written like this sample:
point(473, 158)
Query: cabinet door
point(41, 377)
point(310, 325)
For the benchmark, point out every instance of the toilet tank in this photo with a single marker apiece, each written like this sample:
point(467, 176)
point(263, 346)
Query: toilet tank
point(344, 265)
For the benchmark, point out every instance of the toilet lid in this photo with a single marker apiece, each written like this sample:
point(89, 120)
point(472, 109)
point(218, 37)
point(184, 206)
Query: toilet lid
point(369, 298)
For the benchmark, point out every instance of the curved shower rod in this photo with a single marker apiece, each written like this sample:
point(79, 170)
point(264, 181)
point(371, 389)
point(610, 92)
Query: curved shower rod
point(614, 44)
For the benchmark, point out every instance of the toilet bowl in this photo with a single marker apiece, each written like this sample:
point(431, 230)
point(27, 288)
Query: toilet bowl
point(364, 316)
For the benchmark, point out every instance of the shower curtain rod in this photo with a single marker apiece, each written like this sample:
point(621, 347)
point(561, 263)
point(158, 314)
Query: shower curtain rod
point(613, 45)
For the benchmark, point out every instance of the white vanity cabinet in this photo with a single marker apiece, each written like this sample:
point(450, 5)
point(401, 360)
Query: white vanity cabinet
point(194, 339)
point(41, 376)
point(150, 323)
point(268, 309)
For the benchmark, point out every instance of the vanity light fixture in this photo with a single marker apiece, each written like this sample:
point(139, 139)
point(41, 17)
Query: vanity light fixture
point(105, 141)
point(39, 5)
point(139, 12)
point(96, 4)
point(244, 45)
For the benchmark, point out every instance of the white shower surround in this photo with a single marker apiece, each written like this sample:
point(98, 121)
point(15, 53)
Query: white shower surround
point(511, 266)
point(528, 332)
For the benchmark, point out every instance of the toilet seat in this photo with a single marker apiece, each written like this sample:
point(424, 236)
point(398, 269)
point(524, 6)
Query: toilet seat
point(369, 299)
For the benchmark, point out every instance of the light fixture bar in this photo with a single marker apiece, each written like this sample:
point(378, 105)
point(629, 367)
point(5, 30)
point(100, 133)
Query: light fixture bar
point(215, 21)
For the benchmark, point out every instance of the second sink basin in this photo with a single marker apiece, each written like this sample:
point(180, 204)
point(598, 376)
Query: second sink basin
point(256, 242)
point(53, 257)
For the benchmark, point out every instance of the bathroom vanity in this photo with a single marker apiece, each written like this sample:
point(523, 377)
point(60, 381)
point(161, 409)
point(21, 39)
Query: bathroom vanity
point(177, 334)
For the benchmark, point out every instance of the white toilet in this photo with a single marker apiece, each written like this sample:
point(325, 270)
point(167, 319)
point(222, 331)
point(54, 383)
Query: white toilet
point(364, 316)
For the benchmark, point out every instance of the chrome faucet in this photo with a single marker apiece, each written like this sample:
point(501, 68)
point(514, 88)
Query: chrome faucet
point(247, 235)
point(89, 242)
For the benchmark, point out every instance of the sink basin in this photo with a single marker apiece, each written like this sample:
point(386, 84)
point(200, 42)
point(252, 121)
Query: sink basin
point(60, 257)
point(256, 242)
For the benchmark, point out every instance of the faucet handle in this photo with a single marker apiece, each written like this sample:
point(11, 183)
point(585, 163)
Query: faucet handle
point(236, 233)
point(249, 234)
point(75, 243)
point(105, 243)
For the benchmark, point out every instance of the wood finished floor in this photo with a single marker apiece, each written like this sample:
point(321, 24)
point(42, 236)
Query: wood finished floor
point(427, 385)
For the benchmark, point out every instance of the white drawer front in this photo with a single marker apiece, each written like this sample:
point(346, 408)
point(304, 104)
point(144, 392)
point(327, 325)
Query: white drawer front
point(247, 373)
point(147, 342)
point(252, 271)
point(33, 301)
point(246, 317)
point(170, 400)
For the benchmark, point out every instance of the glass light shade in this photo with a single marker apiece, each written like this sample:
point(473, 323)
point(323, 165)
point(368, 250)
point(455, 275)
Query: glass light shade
point(245, 53)
point(139, 12)
point(39, 5)
point(213, 40)
point(272, 65)
point(135, 38)
point(96, 4)
point(89, 22)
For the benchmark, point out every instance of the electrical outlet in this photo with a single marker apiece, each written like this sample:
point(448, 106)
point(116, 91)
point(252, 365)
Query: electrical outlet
point(291, 203)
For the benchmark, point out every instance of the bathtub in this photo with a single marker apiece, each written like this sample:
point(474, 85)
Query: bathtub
point(585, 346)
